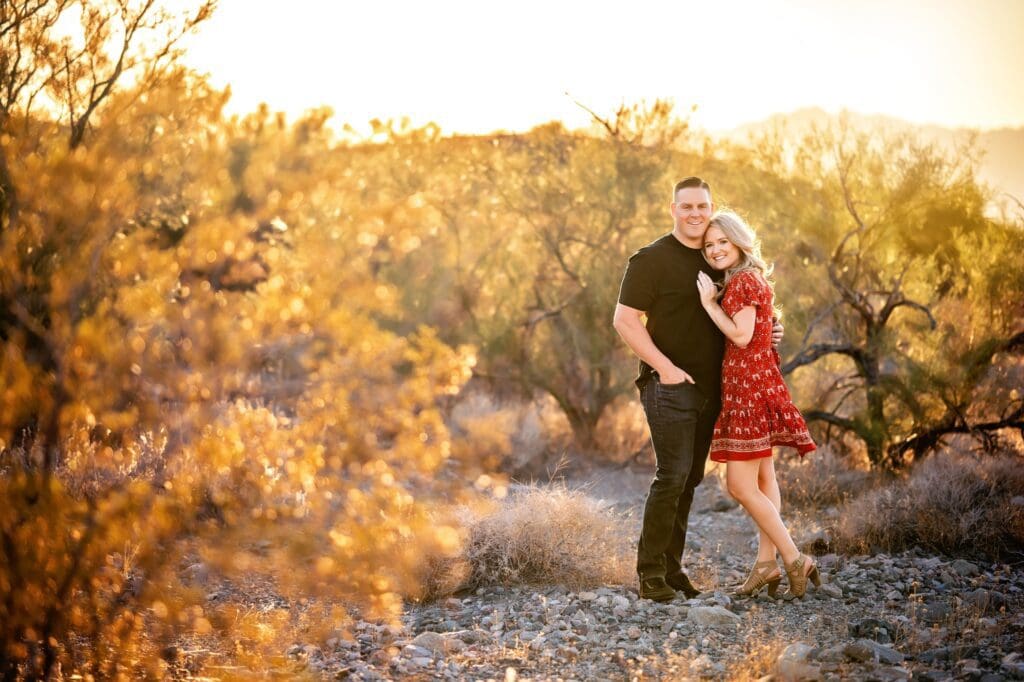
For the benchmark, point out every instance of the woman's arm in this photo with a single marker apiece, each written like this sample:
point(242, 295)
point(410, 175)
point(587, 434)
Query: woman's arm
point(740, 327)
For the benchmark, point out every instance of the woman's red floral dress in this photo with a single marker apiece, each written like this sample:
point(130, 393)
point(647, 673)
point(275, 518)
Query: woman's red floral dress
point(757, 410)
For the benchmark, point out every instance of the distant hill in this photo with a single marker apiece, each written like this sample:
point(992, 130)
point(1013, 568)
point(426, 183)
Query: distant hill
point(1002, 163)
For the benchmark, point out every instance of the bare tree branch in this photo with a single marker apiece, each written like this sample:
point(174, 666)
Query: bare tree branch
point(830, 418)
point(818, 319)
point(896, 300)
point(928, 440)
point(808, 355)
point(614, 132)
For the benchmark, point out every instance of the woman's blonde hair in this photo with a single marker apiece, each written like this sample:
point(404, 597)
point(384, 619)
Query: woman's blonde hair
point(745, 239)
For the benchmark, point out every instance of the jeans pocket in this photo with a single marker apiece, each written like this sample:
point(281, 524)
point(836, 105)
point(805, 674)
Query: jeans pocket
point(680, 398)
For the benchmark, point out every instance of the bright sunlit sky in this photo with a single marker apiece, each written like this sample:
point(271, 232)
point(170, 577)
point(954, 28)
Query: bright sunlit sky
point(479, 66)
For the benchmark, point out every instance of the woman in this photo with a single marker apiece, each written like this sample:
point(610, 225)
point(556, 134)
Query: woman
point(757, 410)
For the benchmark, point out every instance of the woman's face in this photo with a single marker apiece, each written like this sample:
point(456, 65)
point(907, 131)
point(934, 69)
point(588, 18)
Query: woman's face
point(719, 251)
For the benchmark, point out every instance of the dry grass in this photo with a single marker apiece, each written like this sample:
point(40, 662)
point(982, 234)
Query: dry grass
point(954, 503)
point(537, 535)
point(760, 660)
point(549, 535)
point(821, 479)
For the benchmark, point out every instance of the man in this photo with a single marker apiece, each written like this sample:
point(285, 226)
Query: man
point(680, 351)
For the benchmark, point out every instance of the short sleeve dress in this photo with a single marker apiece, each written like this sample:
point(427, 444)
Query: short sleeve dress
point(757, 410)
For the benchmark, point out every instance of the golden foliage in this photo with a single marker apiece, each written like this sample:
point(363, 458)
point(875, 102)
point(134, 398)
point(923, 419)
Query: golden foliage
point(192, 363)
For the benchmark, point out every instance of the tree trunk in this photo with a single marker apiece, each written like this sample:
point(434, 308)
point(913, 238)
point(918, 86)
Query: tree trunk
point(584, 429)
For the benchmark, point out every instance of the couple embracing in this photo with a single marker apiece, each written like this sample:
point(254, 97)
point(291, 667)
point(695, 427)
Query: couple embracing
point(709, 382)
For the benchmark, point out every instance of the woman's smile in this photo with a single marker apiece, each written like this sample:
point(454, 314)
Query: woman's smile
point(719, 251)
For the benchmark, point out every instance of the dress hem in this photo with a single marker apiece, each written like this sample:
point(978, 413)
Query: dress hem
point(733, 456)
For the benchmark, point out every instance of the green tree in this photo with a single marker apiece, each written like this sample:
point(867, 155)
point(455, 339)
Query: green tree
point(895, 261)
point(581, 204)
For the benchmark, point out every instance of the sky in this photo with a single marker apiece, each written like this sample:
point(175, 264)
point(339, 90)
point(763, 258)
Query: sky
point(485, 65)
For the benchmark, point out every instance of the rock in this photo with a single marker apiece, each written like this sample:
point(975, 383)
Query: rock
point(723, 504)
point(1013, 664)
point(964, 568)
point(721, 599)
point(413, 651)
point(705, 667)
point(1017, 500)
point(634, 632)
point(969, 667)
point(586, 596)
point(470, 636)
point(833, 654)
point(198, 574)
point(429, 640)
point(818, 541)
point(889, 674)
point(831, 590)
point(936, 655)
point(711, 616)
point(880, 631)
point(985, 600)
point(864, 650)
point(793, 665)
point(933, 612)
point(380, 657)
point(438, 643)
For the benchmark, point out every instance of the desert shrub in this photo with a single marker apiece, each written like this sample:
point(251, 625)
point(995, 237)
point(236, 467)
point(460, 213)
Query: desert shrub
point(504, 434)
point(536, 535)
point(622, 430)
point(954, 503)
point(822, 479)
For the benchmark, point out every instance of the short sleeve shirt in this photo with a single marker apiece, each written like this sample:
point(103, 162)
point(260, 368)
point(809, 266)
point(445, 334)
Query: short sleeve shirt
point(661, 280)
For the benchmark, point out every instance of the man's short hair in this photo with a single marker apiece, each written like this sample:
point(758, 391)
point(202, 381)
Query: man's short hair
point(692, 181)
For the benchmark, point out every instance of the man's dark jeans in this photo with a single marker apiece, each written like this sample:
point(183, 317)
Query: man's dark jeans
point(682, 420)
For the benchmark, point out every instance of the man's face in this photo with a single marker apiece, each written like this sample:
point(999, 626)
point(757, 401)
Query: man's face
point(691, 211)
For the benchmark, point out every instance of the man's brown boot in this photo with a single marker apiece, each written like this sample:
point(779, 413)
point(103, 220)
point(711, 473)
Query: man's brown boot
point(681, 583)
point(656, 589)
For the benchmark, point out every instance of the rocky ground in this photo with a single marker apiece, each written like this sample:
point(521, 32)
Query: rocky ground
point(878, 617)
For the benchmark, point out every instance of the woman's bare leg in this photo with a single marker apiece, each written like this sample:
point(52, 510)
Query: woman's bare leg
point(742, 481)
point(767, 484)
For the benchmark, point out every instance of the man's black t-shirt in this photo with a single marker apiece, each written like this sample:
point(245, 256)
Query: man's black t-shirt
point(661, 280)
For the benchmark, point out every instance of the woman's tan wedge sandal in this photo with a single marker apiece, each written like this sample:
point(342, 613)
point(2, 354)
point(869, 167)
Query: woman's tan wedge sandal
point(798, 573)
point(761, 575)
